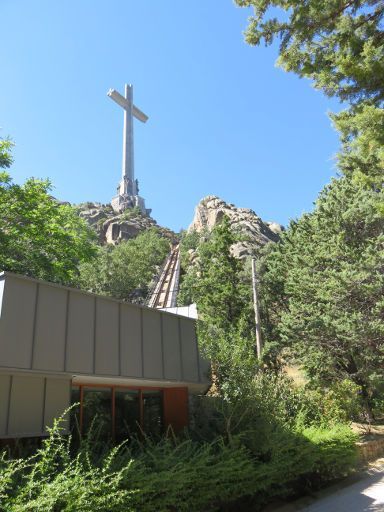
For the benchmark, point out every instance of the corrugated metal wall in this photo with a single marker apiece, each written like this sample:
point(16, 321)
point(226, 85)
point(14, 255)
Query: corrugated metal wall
point(29, 403)
point(44, 327)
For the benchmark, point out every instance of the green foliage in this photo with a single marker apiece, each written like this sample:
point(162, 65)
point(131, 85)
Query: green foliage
point(338, 45)
point(323, 284)
point(190, 240)
point(334, 451)
point(218, 291)
point(125, 271)
point(378, 406)
point(295, 445)
point(339, 403)
point(40, 237)
point(165, 476)
point(131, 213)
point(323, 287)
point(362, 137)
point(176, 474)
point(216, 283)
point(272, 400)
point(6, 159)
point(309, 459)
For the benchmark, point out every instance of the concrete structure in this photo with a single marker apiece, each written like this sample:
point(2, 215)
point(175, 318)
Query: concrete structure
point(188, 311)
point(128, 189)
point(55, 339)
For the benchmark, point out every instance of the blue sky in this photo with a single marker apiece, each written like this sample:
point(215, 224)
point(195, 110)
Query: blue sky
point(223, 119)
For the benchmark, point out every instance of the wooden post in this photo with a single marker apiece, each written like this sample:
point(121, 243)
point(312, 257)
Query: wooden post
point(259, 344)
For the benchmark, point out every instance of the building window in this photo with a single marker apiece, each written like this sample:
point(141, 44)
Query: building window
point(97, 411)
point(153, 412)
point(74, 419)
point(117, 412)
point(127, 413)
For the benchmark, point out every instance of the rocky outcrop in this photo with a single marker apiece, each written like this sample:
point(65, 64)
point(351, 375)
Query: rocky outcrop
point(112, 228)
point(253, 231)
point(275, 227)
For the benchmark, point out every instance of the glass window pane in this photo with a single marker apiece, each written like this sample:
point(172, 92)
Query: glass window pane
point(127, 414)
point(74, 418)
point(153, 413)
point(97, 412)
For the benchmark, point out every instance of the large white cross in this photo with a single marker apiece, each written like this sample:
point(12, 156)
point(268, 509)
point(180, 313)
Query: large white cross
point(128, 184)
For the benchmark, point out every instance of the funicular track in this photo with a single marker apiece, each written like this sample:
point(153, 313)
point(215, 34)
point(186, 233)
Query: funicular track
point(164, 293)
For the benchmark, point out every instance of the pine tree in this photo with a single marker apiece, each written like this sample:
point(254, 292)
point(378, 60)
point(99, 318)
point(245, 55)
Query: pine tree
point(223, 296)
point(337, 44)
point(324, 282)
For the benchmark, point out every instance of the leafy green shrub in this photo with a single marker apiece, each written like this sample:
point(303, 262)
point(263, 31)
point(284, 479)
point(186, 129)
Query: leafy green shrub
point(334, 451)
point(286, 460)
point(251, 456)
point(339, 403)
point(164, 476)
point(301, 407)
point(378, 407)
point(192, 477)
point(271, 403)
point(293, 446)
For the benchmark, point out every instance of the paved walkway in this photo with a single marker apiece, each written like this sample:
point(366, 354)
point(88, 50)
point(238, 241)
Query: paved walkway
point(365, 495)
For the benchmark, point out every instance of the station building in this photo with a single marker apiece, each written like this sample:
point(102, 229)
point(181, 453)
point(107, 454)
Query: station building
point(132, 367)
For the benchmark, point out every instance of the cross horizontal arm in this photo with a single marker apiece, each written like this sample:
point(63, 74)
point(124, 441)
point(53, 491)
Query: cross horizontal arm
point(139, 114)
point(120, 100)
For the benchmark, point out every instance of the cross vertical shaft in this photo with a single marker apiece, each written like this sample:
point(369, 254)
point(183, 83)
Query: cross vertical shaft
point(127, 185)
point(128, 190)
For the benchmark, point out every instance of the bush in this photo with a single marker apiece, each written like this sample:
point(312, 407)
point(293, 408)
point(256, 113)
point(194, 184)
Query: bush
point(164, 476)
point(293, 445)
point(170, 476)
point(240, 453)
point(339, 403)
point(334, 451)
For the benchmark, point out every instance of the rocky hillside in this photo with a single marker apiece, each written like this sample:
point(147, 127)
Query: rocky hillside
point(112, 228)
point(254, 231)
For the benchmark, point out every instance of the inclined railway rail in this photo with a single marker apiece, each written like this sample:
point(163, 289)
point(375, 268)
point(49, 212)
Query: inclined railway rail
point(164, 294)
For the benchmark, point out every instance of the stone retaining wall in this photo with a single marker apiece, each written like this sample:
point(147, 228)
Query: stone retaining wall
point(371, 450)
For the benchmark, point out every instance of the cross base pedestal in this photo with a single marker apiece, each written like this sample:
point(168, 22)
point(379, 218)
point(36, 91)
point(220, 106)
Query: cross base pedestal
point(123, 202)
